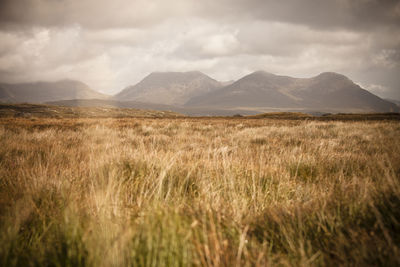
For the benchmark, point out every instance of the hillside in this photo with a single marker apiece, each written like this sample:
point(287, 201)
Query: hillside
point(170, 88)
point(329, 92)
point(40, 92)
point(394, 101)
point(196, 94)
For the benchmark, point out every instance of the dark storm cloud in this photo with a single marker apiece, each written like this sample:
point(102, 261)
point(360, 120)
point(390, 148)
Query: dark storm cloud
point(110, 44)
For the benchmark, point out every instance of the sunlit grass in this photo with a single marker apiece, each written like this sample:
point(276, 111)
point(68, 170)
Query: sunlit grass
point(180, 192)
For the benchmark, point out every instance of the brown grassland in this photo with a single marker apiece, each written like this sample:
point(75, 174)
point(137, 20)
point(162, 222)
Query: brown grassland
point(199, 192)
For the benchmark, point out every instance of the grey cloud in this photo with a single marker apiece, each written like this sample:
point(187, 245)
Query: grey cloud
point(345, 14)
point(332, 14)
point(288, 40)
point(88, 13)
point(111, 44)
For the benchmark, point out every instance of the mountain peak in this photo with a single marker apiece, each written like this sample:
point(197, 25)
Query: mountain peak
point(176, 73)
point(69, 81)
point(263, 72)
point(162, 78)
point(44, 91)
point(264, 77)
point(331, 75)
point(62, 83)
point(169, 87)
point(328, 91)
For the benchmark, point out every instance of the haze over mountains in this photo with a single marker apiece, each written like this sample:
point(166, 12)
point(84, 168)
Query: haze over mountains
point(195, 93)
point(41, 92)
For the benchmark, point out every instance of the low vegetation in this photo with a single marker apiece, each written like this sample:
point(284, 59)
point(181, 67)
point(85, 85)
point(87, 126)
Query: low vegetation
point(199, 192)
point(52, 111)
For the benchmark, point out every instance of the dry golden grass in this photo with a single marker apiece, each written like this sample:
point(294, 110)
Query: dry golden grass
point(209, 192)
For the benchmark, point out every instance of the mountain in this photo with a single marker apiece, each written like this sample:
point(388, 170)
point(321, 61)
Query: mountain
point(394, 101)
point(330, 92)
point(170, 88)
point(194, 93)
point(40, 92)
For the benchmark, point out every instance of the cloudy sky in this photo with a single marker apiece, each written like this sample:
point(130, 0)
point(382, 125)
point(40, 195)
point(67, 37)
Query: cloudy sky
point(112, 44)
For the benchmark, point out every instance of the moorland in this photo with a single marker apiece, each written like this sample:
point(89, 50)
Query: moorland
point(287, 190)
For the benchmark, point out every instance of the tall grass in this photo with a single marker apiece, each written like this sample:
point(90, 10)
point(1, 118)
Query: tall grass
point(183, 192)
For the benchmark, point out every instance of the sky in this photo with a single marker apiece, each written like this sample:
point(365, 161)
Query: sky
point(112, 44)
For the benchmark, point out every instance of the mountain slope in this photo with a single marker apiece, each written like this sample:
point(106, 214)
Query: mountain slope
point(40, 92)
point(326, 92)
point(170, 88)
point(258, 89)
point(394, 101)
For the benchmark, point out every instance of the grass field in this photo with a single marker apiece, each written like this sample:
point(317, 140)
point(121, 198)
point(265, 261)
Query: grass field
point(199, 192)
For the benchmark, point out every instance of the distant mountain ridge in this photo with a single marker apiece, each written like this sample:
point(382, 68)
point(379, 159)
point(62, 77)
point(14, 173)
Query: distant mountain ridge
point(41, 92)
point(170, 88)
point(194, 93)
point(330, 92)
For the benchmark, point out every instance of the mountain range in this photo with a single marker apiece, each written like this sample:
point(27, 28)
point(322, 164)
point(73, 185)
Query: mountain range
point(330, 92)
point(41, 92)
point(194, 93)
